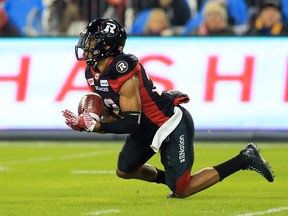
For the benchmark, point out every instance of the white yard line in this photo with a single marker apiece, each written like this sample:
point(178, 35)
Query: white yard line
point(2, 168)
point(45, 144)
point(103, 212)
point(93, 172)
point(83, 155)
point(64, 157)
point(269, 211)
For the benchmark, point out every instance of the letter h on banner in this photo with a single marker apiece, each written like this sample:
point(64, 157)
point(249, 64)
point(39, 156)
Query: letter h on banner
point(213, 77)
point(20, 79)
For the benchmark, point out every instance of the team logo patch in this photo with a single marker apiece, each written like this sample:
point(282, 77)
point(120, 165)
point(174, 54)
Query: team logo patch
point(91, 81)
point(110, 28)
point(122, 66)
point(104, 83)
point(97, 75)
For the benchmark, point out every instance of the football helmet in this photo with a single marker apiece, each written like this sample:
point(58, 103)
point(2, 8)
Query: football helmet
point(103, 37)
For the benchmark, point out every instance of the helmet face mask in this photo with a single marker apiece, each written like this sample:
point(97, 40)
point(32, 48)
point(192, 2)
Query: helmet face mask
point(100, 39)
point(86, 45)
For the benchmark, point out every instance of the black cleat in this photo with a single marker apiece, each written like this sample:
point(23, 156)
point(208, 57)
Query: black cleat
point(257, 162)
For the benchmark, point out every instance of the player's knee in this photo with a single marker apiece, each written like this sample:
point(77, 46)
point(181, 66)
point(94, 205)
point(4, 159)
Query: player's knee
point(182, 192)
point(180, 195)
point(182, 185)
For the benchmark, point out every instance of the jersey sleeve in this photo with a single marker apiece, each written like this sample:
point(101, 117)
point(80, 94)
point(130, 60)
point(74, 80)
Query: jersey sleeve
point(121, 69)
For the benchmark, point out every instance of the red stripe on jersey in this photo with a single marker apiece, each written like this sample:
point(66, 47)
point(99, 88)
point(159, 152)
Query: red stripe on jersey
point(117, 83)
point(150, 109)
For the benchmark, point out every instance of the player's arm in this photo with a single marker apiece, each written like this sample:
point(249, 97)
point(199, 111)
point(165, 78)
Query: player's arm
point(129, 95)
point(130, 105)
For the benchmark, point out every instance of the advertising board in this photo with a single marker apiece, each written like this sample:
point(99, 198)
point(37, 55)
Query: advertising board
point(233, 83)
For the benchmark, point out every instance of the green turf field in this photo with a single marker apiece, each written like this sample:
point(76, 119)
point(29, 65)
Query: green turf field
point(69, 179)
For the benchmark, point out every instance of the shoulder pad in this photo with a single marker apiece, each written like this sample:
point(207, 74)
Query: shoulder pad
point(123, 64)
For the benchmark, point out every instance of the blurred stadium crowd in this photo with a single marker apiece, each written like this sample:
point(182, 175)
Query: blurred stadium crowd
point(30, 18)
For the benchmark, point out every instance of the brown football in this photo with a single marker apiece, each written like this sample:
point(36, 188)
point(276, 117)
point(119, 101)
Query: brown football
point(91, 103)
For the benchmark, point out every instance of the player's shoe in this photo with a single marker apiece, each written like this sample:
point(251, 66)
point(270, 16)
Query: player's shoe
point(257, 162)
point(171, 195)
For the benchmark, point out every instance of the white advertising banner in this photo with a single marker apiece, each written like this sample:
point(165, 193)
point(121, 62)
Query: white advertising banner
point(233, 83)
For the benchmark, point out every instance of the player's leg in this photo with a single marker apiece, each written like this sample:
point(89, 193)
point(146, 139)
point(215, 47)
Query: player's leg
point(199, 181)
point(145, 172)
point(178, 176)
point(132, 161)
point(177, 155)
point(248, 159)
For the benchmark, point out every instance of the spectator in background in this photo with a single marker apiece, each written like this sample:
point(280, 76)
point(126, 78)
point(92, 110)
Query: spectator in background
point(63, 18)
point(238, 16)
point(116, 10)
point(70, 13)
point(269, 21)
point(51, 17)
point(26, 15)
point(157, 23)
point(284, 9)
point(215, 21)
point(72, 20)
point(6, 28)
point(255, 7)
point(153, 22)
point(179, 11)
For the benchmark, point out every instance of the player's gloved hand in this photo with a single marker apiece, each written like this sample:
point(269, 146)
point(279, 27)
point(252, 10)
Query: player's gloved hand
point(79, 123)
point(88, 121)
point(72, 120)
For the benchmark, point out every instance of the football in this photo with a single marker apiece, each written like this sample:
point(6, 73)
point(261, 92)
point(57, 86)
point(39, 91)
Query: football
point(93, 104)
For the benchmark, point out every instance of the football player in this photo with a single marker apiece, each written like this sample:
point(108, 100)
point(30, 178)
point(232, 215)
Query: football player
point(154, 122)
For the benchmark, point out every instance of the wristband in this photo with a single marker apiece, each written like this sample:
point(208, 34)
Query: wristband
point(128, 124)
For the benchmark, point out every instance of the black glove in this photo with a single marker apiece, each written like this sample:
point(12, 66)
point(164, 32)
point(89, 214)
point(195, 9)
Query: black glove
point(177, 96)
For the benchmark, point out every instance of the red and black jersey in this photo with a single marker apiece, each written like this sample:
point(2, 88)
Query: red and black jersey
point(156, 109)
